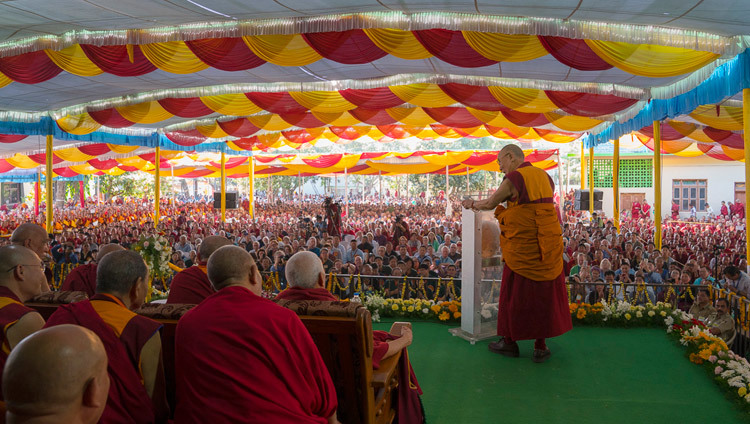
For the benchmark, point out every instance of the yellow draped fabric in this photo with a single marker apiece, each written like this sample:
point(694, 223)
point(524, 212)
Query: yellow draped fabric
point(22, 161)
point(117, 148)
point(505, 47)
point(343, 119)
point(144, 113)
point(571, 123)
point(426, 95)
point(72, 154)
point(410, 116)
point(212, 130)
point(449, 158)
point(283, 50)
point(402, 44)
point(650, 60)
point(323, 101)
point(728, 118)
point(173, 56)
point(73, 60)
point(523, 99)
point(78, 124)
point(231, 104)
point(4, 80)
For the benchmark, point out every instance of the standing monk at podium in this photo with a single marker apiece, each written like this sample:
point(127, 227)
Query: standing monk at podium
point(533, 298)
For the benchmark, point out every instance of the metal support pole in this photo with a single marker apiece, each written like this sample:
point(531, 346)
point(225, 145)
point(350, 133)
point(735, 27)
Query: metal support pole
point(583, 168)
point(251, 187)
point(346, 191)
point(616, 183)
point(48, 183)
point(657, 184)
point(157, 186)
point(746, 137)
point(591, 181)
point(223, 187)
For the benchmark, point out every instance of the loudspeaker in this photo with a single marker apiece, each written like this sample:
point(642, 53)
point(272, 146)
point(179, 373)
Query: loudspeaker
point(582, 200)
point(231, 200)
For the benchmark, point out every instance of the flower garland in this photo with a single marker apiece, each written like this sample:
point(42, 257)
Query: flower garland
point(155, 252)
point(449, 311)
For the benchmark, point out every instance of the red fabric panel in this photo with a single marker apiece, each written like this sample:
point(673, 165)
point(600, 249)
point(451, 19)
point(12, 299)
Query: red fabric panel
point(726, 138)
point(150, 157)
point(41, 158)
point(453, 116)
point(298, 136)
point(115, 60)
point(713, 151)
point(103, 165)
point(667, 133)
point(450, 46)
point(268, 159)
point(350, 47)
point(479, 159)
point(347, 133)
point(111, 118)
point(186, 138)
point(11, 138)
point(197, 173)
point(65, 172)
point(472, 96)
point(302, 120)
point(276, 102)
point(5, 166)
point(465, 132)
point(373, 98)
point(525, 119)
point(584, 104)
point(227, 54)
point(190, 107)
point(441, 129)
point(239, 127)
point(394, 131)
point(29, 68)
point(270, 171)
point(324, 161)
point(372, 116)
point(247, 143)
point(369, 155)
point(574, 53)
point(230, 163)
point(95, 149)
point(540, 155)
point(127, 168)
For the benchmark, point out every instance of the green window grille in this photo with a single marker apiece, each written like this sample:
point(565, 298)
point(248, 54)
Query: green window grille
point(634, 173)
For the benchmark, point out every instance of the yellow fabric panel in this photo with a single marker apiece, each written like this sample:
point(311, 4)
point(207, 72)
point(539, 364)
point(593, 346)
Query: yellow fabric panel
point(674, 146)
point(212, 130)
point(173, 56)
point(72, 154)
point(78, 124)
point(231, 104)
point(402, 44)
point(411, 116)
point(117, 148)
point(114, 171)
point(736, 154)
point(323, 101)
point(495, 119)
point(690, 130)
point(282, 49)
point(234, 147)
point(422, 94)
point(525, 100)
point(690, 152)
point(556, 138)
point(4, 80)
point(729, 117)
point(449, 158)
point(144, 113)
point(22, 161)
point(343, 119)
point(417, 131)
point(571, 123)
point(84, 169)
point(132, 161)
point(505, 47)
point(73, 60)
point(480, 131)
point(650, 60)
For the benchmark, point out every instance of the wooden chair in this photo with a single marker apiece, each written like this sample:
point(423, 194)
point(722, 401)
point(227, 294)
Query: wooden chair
point(342, 331)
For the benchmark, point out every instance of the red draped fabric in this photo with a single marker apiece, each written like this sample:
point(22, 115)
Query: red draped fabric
point(713, 151)
point(302, 120)
point(347, 133)
point(350, 47)
point(467, 132)
point(95, 149)
point(128, 168)
point(370, 155)
point(29, 68)
point(574, 53)
point(41, 158)
point(450, 46)
point(441, 129)
point(103, 165)
point(239, 127)
point(525, 119)
point(65, 172)
point(324, 161)
point(114, 60)
point(189, 107)
point(5, 166)
point(11, 138)
point(726, 138)
point(473, 96)
point(198, 173)
point(394, 131)
point(247, 143)
point(230, 163)
point(372, 116)
point(453, 116)
point(540, 155)
point(479, 159)
point(110, 118)
point(372, 98)
point(186, 138)
point(667, 133)
point(584, 104)
point(298, 136)
point(276, 102)
point(227, 54)
point(268, 159)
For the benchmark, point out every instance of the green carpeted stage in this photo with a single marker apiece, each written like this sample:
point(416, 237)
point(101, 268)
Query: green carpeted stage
point(596, 375)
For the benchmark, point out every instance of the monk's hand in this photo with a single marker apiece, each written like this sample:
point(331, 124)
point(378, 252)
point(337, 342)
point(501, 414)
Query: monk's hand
point(406, 335)
point(468, 203)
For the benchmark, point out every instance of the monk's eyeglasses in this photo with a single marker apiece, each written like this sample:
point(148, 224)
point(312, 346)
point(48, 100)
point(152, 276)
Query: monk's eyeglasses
point(40, 265)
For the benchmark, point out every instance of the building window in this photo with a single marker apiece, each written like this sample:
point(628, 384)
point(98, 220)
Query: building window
point(687, 192)
point(634, 173)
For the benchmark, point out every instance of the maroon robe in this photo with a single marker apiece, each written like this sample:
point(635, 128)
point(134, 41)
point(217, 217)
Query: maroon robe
point(81, 278)
point(635, 210)
point(11, 310)
point(128, 401)
point(243, 359)
point(409, 405)
point(191, 285)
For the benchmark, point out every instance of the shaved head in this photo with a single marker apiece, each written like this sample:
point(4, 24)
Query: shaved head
point(56, 371)
point(513, 149)
point(32, 236)
point(231, 265)
point(21, 271)
point(210, 244)
point(108, 248)
point(304, 270)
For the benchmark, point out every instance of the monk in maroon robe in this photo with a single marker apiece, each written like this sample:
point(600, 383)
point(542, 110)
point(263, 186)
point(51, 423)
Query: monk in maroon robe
point(133, 344)
point(533, 300)
point(241, 358)
point(34, 237)
point(191, 285)
point(724, 210)
point(306, 279)
point(83, 278)
point(21, 282)
point(675, 210)
point(635, 210)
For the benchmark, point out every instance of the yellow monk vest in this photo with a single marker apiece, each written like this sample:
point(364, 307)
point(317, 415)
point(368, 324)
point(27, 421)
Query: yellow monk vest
point(531, 235)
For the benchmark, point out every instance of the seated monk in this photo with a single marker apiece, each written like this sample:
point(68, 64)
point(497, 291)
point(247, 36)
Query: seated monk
point(241, 358)
point(306, 278)
point(34, 237)
point(22, 274)
point(83, 278)
point(191, 285)
point(133, 344)
point(57, 375)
